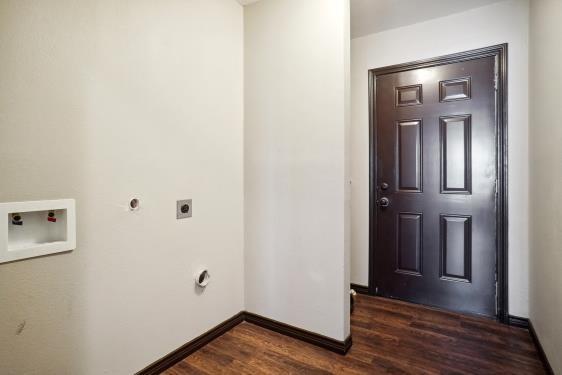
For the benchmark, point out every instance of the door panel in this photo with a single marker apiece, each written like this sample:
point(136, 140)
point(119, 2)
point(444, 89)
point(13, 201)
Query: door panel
point(436, 170)
point(409, 155)
point(409, 254)
point(456, 248)
point(456, 161)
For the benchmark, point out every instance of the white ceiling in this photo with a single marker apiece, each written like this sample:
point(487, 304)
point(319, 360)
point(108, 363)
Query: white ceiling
point(246, 2)
point(371, 16)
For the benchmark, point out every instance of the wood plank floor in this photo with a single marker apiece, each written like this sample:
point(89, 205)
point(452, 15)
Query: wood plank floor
point(388, 337)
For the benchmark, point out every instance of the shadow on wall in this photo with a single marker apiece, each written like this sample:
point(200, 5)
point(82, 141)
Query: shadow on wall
point(43, 145)
point(97, 100)
point(41, 157)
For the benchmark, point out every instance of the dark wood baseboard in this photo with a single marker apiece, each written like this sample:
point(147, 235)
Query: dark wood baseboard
point(517, 321)
point(542, 354)
point(181, 353)
point(360, 289)
point(340, 347)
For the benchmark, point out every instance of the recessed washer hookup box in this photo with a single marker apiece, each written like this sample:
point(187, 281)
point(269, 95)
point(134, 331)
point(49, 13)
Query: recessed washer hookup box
point(32, 229)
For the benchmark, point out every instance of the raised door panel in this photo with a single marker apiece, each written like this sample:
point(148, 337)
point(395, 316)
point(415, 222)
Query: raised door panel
point(409, 158)
point(455, 89)
point(456, 158)
point(456, 248)
point(408, 95)
point(409, 244)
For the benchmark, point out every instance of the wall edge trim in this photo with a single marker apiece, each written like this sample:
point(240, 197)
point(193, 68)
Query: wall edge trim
point(192, 346)
point(336, 346)
point(518, 321)
point(178, 355)
point(542, 355)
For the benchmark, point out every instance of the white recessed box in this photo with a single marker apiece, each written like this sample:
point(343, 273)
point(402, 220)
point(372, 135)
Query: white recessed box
point(32, 229)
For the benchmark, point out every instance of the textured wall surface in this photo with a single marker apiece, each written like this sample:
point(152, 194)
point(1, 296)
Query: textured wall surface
point(546, 173)
point(103, 101)
point(296, 124)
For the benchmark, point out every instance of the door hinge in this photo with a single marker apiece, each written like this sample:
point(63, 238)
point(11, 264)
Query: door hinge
point(376, 290)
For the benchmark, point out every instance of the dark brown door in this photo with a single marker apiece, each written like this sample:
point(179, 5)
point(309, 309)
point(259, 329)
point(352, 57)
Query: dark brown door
point(436, 171)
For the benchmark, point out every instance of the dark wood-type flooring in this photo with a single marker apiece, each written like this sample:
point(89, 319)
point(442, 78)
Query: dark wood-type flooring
point(388, 337)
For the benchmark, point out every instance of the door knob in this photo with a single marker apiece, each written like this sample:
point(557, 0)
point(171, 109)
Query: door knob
point(384, 202)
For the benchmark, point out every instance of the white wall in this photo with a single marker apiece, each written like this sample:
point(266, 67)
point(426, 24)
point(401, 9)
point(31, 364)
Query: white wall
point(102, 101)
point(546, 174)
point(505, 22)
point(295, 134)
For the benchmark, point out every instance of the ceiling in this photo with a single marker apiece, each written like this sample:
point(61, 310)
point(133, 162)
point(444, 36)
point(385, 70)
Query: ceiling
point(246, 2)
point(371, 16)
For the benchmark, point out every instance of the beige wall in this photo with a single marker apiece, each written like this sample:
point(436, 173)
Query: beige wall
point(546, 178)
point(102, 101)
point(296, 122)
point(504, 22)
